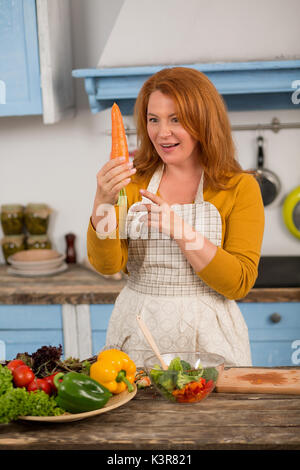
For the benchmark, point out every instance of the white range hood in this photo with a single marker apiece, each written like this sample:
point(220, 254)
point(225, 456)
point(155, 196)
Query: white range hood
point(248, 49)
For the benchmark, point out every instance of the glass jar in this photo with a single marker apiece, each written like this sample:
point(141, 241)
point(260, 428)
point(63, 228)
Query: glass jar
point(12, 244)
point(37, 218)
point(41, 242)
point(12, 219)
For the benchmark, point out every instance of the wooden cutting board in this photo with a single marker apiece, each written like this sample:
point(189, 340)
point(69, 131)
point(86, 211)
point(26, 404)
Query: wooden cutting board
point(259, 380)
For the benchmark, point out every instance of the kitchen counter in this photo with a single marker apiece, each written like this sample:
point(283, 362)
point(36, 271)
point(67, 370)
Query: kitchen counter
point(81, 285)
point(224, 421)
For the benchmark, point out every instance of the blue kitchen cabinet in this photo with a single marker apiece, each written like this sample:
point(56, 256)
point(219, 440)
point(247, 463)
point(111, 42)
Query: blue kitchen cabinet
point(25, 328)
point(99, 318)
point(274, 332)
point(36, 59)
point(19, 59)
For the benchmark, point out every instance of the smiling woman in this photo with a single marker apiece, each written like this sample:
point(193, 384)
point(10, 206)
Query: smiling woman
point(201, 112)
point(194, 225)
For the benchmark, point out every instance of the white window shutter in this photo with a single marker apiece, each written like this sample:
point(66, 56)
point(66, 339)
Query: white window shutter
point(55, 48)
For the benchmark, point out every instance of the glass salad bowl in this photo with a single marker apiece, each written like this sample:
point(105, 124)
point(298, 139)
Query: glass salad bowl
point(190, 377)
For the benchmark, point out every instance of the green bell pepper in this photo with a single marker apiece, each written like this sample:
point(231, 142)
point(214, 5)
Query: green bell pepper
point(77, 393)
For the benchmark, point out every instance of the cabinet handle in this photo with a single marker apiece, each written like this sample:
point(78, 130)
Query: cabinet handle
point(275, 318)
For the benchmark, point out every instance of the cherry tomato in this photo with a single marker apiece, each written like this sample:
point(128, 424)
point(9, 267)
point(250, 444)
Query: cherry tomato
point(22, 376)
point(49, 379)
point(39, 384)
point(12, 365)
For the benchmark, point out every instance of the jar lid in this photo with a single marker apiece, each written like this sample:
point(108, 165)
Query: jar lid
point(37, 238)
point(17, 239)
point(40, 210)
point(12, 208)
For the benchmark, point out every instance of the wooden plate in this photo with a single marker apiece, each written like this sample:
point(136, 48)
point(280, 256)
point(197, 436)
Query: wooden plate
point(114, 402)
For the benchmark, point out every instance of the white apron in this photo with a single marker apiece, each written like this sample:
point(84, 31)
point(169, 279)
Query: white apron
point(180, 310)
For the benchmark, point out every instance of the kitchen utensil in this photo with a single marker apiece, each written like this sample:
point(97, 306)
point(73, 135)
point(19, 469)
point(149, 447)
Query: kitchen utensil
point(268, 181)
point(70, 250)
point(151, 341)
point(36, 259)
point(171, 386)
point(291, 212)
point(37, 273)
point(114, 402)
point(259, 380)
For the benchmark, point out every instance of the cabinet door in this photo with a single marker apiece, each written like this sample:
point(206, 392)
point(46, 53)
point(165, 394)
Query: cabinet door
point(55, 45)
point(25, 328)
point(274, 332)
point(36, 59)
point(19, 58)
point(99, 317)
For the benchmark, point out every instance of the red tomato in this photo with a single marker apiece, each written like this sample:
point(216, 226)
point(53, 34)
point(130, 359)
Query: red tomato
point(22, 376)
point(39, 384)
point(49, 380)
point(12, 365)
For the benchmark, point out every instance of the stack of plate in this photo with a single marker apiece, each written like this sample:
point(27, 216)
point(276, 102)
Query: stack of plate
point(36, 263)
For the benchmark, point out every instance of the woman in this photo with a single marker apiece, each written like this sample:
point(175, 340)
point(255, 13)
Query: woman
point(193, 230)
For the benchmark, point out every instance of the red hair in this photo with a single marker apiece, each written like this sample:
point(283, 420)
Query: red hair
point(201, 110)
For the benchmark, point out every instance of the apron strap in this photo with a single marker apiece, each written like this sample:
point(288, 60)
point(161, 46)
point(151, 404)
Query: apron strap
point(199, 196)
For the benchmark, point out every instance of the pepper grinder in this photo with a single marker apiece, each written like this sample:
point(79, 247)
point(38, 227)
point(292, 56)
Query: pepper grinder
point(70, 252)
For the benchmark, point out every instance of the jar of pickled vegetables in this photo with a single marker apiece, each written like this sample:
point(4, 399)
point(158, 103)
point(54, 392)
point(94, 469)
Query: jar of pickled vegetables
point(12, 219)
point(37, 218)
point(12, 244)
point(38, 242)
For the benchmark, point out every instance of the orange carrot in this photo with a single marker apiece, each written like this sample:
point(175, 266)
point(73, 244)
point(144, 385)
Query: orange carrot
point(119, 147)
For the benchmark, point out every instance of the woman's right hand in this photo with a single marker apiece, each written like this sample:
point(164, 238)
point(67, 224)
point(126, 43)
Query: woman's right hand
point(113, 176)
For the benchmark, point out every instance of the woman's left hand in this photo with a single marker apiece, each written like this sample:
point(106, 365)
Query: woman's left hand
point(159, 215)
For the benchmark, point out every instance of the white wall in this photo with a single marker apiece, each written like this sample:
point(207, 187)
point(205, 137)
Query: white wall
point(192, 31)
point(57, 164)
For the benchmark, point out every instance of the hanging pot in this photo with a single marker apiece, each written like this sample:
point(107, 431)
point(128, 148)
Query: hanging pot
point(268, 181)
point(291, 212)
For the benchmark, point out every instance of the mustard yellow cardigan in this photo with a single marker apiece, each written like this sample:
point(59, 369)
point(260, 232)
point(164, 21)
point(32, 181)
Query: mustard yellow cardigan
point(233, 270)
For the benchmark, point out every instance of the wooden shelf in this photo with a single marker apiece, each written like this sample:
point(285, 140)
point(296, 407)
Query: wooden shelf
point(243, 85)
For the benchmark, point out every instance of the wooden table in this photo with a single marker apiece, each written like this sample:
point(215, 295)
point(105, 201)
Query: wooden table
point(81, 285)
point(148, 422)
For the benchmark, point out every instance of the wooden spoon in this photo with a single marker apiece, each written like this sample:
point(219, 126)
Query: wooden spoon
point(151, 341)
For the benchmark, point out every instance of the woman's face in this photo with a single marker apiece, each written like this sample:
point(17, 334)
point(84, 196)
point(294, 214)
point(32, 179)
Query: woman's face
point(172, 142)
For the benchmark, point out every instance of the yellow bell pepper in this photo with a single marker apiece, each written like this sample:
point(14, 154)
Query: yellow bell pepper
point(114, 370)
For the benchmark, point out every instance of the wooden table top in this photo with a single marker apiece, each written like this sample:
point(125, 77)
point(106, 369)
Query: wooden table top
point(81, 285)
point(223, 421)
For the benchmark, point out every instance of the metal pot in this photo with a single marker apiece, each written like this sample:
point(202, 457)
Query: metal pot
point(268, 181)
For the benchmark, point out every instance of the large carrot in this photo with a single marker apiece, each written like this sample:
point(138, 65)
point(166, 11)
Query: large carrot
point(119, 147)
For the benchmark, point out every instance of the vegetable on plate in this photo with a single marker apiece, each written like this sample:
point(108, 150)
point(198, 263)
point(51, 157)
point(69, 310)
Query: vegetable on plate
point(22, 376)
point(115, 370)
point(17, 401)
point(39, 384)
point(12, 365)
point(77, 393)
